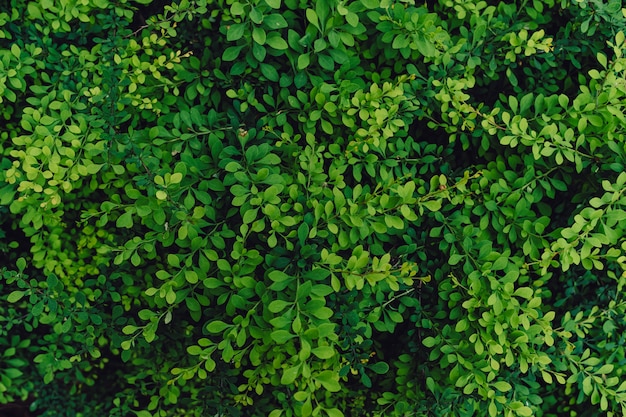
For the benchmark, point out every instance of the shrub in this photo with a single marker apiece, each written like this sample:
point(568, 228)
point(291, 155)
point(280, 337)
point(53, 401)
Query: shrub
point(365, 207)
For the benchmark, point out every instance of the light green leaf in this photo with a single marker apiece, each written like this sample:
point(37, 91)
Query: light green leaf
point(15, 296)
point(371, 4)
point(323, 352)
point(290, 375)
point(235, 32)
point(277, 306)
point(275, 21)
point(231, 53)
point(281, 336)
point(524, 292)
point(502, 386)
point(277, 42)
point(217, 326)
point(125, 220)
point(432, 205)
point(329, 380)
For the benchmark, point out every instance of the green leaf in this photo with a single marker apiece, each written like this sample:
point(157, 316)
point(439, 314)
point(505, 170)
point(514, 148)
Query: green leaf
point(256, 15)
point(587, 385)
point(231, 53)
point(425, 47)
point(281, 336)
point(237, 9)
point(21, 264)
point(277, 306)
point(290, 375)
point(432, 205)
point(323, 352)
point(235, 32)
point(275, 21)
point(277, 42)
point(249, 216)
point(430, 341)
point(524, 292)
point(313, 19)
point(326, 62)
point(15, 296)
point(52, 281)
point(455, 259)
point(33, 11)
point(322, 313)
point(394, 222)
point(303, 61)
point(15, 50)
point(329, 380)
point(269, 72)
point(259, 35)
point(129, 329)
point(371, 4)
point(125, 220)
point(380, 368)
point(217, 326)
point(502, 386)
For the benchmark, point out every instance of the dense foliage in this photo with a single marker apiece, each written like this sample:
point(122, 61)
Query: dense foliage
point(326, 208)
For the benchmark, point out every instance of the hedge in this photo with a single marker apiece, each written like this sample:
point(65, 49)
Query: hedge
point(326, 208)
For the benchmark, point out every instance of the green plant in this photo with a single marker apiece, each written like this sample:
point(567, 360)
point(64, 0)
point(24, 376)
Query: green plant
point(271, 207)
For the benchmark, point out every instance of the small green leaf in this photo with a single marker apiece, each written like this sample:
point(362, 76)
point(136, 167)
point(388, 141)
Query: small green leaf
point(129, 329)
point(270, 72)
point(258, 35)
point(502, 386)
point(430, 341)
point(371, 4)
point(432, 205)
point(217, 326)
point(323, 352)
point(329, 380)
point(455, 259)
point(275, 21)
point(281, 336)
point(235, 32)
point(380, 368)
point(524, 292)
point(52, 281)
point(237, 9)
point(21, 264)
point(290, 375)
point(278, 276)
point(125, 220)
point(303, 62)
point(231, 53)
point(249, 216)
point(256, 15)
point(277, 42)
point(15, 296)
point(313, 19)
point(277, 306)
point(334, 412)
